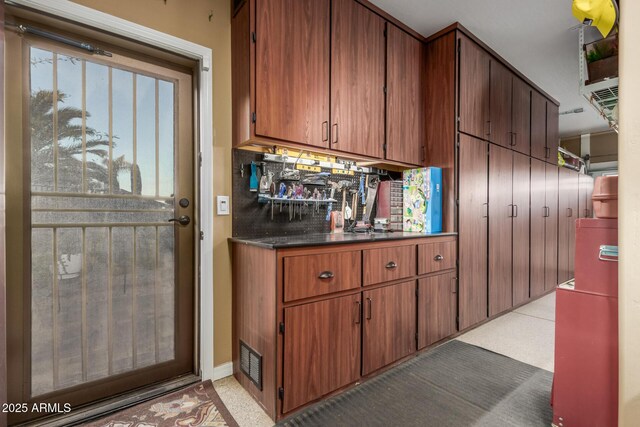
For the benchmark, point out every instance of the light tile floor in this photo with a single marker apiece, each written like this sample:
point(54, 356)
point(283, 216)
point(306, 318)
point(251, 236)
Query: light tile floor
point(526, 334)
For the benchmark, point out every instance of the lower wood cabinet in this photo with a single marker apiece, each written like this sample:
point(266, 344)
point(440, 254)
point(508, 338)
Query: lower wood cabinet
point(321, 349)
point(436, 308)
point(389, 325)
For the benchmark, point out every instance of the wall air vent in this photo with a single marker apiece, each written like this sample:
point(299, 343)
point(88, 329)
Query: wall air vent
point(251, 364)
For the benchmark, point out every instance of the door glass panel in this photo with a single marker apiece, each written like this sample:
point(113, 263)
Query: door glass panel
point(103, 262)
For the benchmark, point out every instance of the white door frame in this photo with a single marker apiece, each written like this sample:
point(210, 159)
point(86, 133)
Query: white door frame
point(92, 18)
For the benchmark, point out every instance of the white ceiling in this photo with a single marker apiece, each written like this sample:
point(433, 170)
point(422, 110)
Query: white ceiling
point(535, 36)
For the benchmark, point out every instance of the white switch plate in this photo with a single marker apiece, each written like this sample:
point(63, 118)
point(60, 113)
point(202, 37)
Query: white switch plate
point(223, 205)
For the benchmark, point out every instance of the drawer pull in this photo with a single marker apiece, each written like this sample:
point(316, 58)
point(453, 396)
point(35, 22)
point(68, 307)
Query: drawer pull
point(391, 265)
point(438, 258)
point(326, 275)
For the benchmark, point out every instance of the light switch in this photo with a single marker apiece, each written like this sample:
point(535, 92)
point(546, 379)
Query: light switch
point(223, 205)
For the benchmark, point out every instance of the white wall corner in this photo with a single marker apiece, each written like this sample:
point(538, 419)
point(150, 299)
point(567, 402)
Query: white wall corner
point(223, 371)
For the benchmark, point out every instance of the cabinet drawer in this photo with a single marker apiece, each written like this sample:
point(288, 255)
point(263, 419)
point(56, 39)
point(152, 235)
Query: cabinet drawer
point(312, 275)
point(387, 264)
point(436, 256)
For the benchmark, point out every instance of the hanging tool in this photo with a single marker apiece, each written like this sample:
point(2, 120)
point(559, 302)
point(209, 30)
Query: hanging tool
point(253, 181)
point(265, 182)
point(372, 190)
point(361, 190)
point(354, 206)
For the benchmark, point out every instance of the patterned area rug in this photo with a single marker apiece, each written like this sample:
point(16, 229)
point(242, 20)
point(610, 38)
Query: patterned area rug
point(197, 405)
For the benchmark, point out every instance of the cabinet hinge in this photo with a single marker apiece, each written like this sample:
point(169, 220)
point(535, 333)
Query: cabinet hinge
point(253, 117)
point(457, 202)
point(281, 393)
point(200, 159)
point(202, 235)
point(253, 37)
point(416, 291)
point(384, 147)
point(459, 45)
point(385, 32)
point(384, 89)
point(281, 327)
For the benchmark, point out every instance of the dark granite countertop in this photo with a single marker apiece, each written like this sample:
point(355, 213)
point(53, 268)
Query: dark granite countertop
point(322, 239)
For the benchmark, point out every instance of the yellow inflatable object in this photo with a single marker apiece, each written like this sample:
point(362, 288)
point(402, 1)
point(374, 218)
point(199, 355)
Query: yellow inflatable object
point(602, 14)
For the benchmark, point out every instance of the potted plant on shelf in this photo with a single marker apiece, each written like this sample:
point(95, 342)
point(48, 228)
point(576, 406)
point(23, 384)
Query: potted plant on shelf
point(602, 59)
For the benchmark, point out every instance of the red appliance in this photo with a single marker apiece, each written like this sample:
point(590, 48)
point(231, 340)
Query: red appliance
point(585, 382)
point(605, 197)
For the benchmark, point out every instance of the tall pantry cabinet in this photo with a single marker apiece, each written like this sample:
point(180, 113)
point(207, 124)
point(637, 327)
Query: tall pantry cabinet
point(494, 116)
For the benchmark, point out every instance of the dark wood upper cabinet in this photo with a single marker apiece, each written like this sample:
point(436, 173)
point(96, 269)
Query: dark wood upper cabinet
point(405, 97)
point(500, 229)
point(436, 308)
point(553, 133)
point(500, 98)
point(551, 227)
point(521, 218)
point(321, 349)
point(357, 79)
point(538, 219)
point(472, 231)
point(538, 126)
point(521, 116)
point(292, 70)
point(474, 78)
point(585, 204)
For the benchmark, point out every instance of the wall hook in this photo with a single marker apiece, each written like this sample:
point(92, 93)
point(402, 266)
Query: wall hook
point(210, 14)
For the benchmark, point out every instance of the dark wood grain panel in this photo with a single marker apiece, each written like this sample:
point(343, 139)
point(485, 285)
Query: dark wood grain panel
point(440, 90)
point(436, 308)
point(472, 229)
point(474, 89)
point(357, 79)
point(321, 349)
point(553, 132)
point(521, 116)
point(538, 219)
point(538, 126)
point(313, 275)
point(387, 264)
point(241, 76)
point(573, 194)
point(500, 98)
point(551, 228)
point(521, 219)
point(254, 317)
point(433, 257)
point(500, 229)
point(405, 97)
point(585, 203)
point(564, 215)
point(389, 325)
point(292, 70)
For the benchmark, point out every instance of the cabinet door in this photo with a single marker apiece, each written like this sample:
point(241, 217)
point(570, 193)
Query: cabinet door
point(589, 190)
point(538, 126)
point(436, 308)
point(500, 229)
point(500, 105)
point(474, 89)
point(321, 349)
point(551, 228)
point(521, 116)
point(357, 79)
point(585, 204)
point(405, 97)
point(389, 331)
point(292, 70)
point(573, 193)
point(472, 231)
point(538, 219)
point(521, 217)
point(565, 189)
point(553, 133)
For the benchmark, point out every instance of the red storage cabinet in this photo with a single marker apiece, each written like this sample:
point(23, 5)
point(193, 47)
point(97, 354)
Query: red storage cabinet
point(585, 382)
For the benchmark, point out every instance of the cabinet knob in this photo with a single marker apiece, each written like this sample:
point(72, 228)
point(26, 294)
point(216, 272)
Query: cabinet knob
point(438, 258)
point(326, 275)
point(391, 265)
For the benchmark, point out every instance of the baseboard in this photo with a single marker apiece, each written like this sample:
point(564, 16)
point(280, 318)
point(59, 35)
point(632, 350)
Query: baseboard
point(222, 371)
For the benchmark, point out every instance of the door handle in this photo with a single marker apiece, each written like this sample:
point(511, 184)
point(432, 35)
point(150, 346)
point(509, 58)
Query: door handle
point(369, 308)
point(489, 123)
point(334, 133)
point(325, 131)
point(515, 138)
point(569, 212)
point(486, 210)
point(326, 275)
point(454, 288)
point(357, 304)
point(438, 257)
point(547, 152)
point(515, 209)
point(546, 212)
point(510, 213)
point(391, 265)
point(182, 220)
